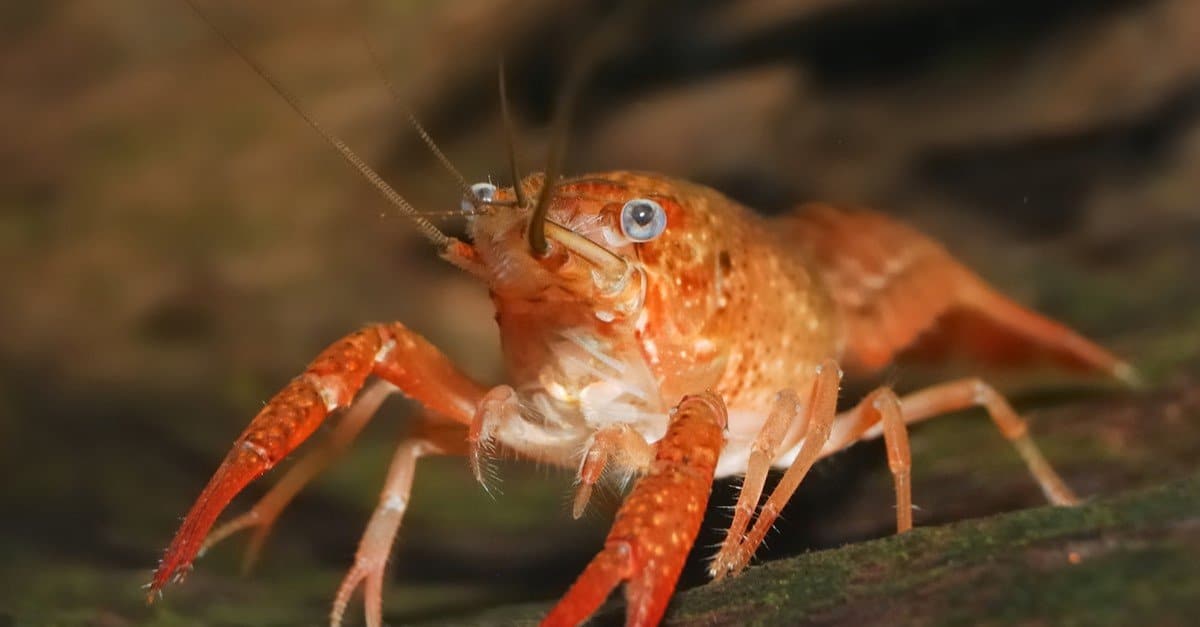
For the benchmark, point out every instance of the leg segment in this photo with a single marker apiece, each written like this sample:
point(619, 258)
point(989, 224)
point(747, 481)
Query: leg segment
point(376, 543)
point(821, 412)
point(895, 437)
point(766, 447)
point(262, 516)
point(965, 393)
point(330, 382)
point(623, 442)
point(657, 524)
point(882, 409)
point(498, 407)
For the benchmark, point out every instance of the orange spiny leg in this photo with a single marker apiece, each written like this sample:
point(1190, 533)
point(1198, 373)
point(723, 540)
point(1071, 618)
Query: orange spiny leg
point(821, 411)
point(263, 515)
point(875, 415)
point(965, 393)
point(331, 381)
point(376, 542)
point(657, 524)
point(631, 452)
point(786, 410)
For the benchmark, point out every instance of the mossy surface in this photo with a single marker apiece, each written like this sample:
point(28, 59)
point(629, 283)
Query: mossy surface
point(1123, 560)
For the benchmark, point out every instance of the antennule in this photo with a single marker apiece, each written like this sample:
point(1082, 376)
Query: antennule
point(510, 139)
point(426, 138)
point(426, 228)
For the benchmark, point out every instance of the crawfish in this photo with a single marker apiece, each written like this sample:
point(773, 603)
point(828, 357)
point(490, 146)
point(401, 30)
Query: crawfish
point(656, 328)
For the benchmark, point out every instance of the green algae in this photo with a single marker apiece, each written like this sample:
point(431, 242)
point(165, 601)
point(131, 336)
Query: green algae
point(1134, 560)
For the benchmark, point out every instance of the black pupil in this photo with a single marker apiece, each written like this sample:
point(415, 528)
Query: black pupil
point(643, 214)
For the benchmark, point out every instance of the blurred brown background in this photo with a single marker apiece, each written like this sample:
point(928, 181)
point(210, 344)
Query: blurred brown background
point(177, 244)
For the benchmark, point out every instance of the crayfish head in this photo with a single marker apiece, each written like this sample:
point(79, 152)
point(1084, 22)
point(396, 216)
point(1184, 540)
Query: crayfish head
point(595, 227)
point(611, 239)
point(628, 256)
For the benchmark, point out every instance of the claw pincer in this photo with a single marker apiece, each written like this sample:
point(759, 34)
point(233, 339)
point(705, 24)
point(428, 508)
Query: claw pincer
point(329, 382)
point(656, 525)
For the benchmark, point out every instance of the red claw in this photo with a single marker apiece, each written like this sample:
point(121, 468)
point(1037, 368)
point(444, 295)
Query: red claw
point(657, 524)
point(330, 381)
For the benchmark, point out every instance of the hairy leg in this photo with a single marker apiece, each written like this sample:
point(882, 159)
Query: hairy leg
point(621, 443)
point(496, 409)
point(786, 411)
point(821, 412)
point(881, 412)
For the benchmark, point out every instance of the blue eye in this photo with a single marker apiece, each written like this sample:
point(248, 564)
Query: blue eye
point(485, 192)
point(643, 219)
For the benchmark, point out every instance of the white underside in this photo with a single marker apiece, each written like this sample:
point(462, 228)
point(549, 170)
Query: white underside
point(569, 443)
point(585, 389)
point(736, 454)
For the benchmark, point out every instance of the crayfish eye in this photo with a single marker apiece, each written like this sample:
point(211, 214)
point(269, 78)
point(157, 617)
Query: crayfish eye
point(485, 192)
point(642, 219)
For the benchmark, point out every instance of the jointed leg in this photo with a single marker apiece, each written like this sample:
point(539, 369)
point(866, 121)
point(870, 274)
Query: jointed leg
point(631, 451)
point(766, 447)
point(870, 417)
point(262, 516)
point(497, 407)
point(376, 543)
point(881, 412)
point(821, 411)
point(895, 439)
point(882, 409)
point(965, 393)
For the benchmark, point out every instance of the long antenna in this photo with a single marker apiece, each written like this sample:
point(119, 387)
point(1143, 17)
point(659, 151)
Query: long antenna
point(377, 61)
point(510, 139)
point(590, 54)
point(426, 227)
